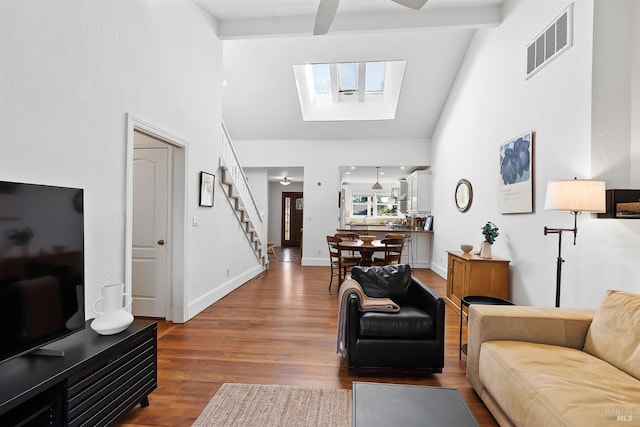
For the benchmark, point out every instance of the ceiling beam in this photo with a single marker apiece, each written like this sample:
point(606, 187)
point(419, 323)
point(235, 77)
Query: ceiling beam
point(476, 17)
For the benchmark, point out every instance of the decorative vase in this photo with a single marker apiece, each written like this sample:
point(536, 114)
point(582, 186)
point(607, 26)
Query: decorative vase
point(114, 318)
point(485, 250)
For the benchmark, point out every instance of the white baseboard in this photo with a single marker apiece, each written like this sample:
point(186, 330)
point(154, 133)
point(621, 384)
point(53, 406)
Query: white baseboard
point(318, 262)
point(439, 270)
point(199, 304)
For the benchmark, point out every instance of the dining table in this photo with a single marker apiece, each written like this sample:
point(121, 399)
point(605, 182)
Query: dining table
point(365, 248)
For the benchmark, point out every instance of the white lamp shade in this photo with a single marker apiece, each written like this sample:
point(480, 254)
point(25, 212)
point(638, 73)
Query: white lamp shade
point(575, 195)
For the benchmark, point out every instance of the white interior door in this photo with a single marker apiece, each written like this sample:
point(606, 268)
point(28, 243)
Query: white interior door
point(150, 231)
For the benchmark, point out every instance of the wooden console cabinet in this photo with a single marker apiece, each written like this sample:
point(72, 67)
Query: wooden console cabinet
point(98, 379)
point(472, 275)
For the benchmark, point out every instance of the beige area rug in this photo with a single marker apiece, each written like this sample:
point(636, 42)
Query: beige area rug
point(275, 405)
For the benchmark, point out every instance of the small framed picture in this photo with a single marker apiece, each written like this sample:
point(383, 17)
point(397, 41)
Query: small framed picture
point(206, 189)
point(428, 224)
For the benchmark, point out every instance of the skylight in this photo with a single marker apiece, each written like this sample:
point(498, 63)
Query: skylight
point(348, 76)
point(374, 76)
point(321, 78)
point(349, 90)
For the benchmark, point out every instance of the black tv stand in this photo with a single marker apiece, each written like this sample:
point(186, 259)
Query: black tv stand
point(46, 352)
point(98, 379)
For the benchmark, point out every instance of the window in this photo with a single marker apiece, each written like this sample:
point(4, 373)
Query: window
point(287, 218)
point(349, 90)
point(373, 205)
point(386, 206)
point(374, 76)
point(348, 77)
point(361, 205)
point(321, 78)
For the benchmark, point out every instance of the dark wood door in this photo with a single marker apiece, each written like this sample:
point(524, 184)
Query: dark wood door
point(292, 214)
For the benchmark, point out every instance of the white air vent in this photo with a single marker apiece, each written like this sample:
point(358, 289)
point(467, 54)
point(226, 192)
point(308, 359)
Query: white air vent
point(551, 42)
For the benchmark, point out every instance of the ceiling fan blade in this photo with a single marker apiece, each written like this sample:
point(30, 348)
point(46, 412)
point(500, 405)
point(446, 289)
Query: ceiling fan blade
point(413, 4)
point(324, 17)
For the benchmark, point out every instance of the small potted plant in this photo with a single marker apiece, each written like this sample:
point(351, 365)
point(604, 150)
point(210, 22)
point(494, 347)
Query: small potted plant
point(490, 233)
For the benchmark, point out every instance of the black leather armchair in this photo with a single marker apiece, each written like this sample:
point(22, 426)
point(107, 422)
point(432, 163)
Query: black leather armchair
point(412, 338)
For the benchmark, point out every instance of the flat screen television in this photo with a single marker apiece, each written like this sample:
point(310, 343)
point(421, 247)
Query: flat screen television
point(41, 266)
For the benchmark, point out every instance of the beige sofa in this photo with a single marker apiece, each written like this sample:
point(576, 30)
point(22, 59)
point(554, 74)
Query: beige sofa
point(535, 366)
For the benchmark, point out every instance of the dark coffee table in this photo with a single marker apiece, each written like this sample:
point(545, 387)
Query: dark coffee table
point(384, 405)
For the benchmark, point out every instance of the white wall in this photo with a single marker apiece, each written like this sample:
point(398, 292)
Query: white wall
point(70, 70)
point(321, 160)
point(495, 103)
point(612, 91)
point(635, 99)
point(616, 89)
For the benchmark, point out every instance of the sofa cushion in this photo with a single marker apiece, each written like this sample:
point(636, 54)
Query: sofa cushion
point(546, 385)
point(614, 334)
point(409, 322)
point(389, 281)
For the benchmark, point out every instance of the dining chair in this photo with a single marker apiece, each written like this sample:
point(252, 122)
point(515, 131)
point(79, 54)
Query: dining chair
point(351, 235)
point(349, 255)
point(339, 264)
point(394, 236)
point(392, 252)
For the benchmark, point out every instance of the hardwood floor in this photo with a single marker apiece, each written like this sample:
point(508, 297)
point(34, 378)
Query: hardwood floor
point(279, 328)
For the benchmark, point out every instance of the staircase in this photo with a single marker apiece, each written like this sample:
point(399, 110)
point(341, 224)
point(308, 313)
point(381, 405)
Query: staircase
point(237, 190)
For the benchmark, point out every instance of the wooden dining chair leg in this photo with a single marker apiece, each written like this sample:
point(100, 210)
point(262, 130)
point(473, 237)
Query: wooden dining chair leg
point(334, 258)
point(335, 271)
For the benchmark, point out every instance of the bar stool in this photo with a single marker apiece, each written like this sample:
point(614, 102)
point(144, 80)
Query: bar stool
point(476, 299)
point(271, 249)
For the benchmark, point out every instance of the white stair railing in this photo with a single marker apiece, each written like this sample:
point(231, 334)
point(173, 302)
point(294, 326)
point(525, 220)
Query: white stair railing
point(239, 194)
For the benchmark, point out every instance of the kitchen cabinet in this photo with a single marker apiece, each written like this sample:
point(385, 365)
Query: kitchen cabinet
point(419, 192)
point(471, 275)
point(402, 200)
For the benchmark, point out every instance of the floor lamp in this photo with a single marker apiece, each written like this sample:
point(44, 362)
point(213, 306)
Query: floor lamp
point(575, 196)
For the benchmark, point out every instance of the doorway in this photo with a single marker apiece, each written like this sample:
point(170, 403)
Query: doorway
point(151, 218)
point(155, 221)
point(292, 216)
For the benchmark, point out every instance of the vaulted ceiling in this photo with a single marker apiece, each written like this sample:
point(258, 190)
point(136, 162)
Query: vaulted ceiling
point(263, 39)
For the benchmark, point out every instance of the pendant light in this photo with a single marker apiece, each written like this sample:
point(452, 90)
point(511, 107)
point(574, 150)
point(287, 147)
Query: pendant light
point(285, 181)
point(377, 185)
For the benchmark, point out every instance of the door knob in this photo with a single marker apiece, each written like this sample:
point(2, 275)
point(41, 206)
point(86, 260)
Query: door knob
point(161, 242)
